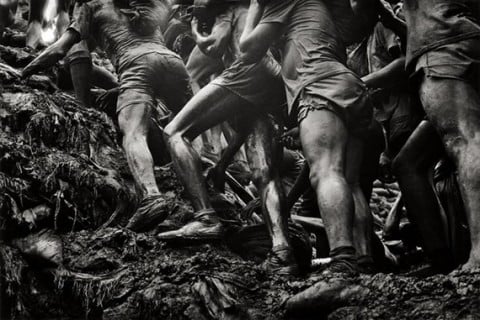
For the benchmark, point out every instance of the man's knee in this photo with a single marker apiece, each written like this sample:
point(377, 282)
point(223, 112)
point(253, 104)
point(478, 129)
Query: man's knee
point(132, 127)
point(322, 175)
point(261, 176)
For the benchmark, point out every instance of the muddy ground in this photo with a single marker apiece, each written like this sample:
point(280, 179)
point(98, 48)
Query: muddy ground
point(66, 192)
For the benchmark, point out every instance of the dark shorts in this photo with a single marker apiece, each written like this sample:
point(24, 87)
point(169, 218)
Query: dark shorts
point(459, 60)
point(403, 121)
point(79, 52)
point(343, 94)
point(260, 84)
point(154, 76)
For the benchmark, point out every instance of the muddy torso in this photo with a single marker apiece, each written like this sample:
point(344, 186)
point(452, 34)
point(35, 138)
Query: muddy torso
point(112, 32)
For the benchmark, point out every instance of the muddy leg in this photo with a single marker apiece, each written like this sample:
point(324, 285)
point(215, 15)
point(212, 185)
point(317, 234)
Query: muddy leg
point(363, 221)
point(81, 72)
point(264, 157)
point(210, 106)
point(324, 140)
point(412, 167)
point(133, 121)
point(453, 107)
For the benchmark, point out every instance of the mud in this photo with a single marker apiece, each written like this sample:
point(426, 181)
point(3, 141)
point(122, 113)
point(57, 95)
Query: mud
point(62, 177)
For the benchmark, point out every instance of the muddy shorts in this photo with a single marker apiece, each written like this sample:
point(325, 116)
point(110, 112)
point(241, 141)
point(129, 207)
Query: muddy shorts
point(343, 94)
point(260, 84)
point(79, 52)
point(154, 76)
point(460, 60)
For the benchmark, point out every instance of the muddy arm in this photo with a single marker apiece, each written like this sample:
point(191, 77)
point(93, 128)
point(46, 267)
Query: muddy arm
point(52, 54)
point(257, 38)
point(392, 73)
point(215, 44)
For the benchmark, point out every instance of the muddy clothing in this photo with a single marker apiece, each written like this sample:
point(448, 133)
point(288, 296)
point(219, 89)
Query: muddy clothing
point(396, 108)
point(435, 23)
point(258, 83)
point(459, 60)
point(351, 28)
point(313, 65)
point(146, 68)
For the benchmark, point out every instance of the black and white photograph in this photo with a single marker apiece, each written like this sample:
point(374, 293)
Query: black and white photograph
point(239, 159)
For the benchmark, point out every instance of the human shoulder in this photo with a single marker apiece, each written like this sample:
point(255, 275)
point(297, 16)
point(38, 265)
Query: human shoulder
point(278, 11)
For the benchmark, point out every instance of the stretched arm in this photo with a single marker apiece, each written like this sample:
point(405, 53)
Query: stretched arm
point(257, 38)
point(387, 76)
point(52, 54)
point(215, 44)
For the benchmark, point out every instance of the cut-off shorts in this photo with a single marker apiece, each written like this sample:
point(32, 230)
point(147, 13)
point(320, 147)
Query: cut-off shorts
point(343, 94)
point(154, 76)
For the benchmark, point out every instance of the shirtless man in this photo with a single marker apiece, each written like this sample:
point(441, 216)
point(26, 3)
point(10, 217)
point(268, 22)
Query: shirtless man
point(333, 111)
point(250, 90)
point(132, 39)
point(443, 54)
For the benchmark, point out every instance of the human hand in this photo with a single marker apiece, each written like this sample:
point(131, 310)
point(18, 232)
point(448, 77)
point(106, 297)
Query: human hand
point(385, 169)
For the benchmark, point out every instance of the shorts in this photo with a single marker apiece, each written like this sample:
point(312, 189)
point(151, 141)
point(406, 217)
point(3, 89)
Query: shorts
point(403, 121)
point(459, 60)
point(343, 94)
point(260, 84)
point(154, 76)
point(80, 51)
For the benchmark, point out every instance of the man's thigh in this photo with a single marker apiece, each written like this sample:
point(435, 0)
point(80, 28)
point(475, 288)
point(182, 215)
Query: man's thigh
point(324, 137)
point(453, 107)
point(134, 107)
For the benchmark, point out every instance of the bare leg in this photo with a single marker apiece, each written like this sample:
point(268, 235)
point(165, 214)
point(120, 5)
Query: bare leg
point(81, 73)
point(363, 221)
point(210, 106)
point(412, 167)
point(264, 157)
point(133, 122)
point(453, 107)
point(324, 140)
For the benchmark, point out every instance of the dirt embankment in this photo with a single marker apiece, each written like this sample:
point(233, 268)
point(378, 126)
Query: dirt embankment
point(62, 177)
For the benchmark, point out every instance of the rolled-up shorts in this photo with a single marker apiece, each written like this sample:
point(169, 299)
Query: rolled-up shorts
point(459, 60)
point(260, 84)
point(343, 94)
point(151, 77)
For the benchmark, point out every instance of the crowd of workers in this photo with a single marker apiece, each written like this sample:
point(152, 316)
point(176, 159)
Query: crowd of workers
point(369, 88)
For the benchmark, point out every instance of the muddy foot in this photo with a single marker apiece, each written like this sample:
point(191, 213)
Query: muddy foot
point(150, 212)
point(195, 232)
point(324, 297)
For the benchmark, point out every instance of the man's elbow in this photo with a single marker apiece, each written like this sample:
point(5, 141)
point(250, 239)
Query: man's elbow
point(250, 52)
point(251, 57)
